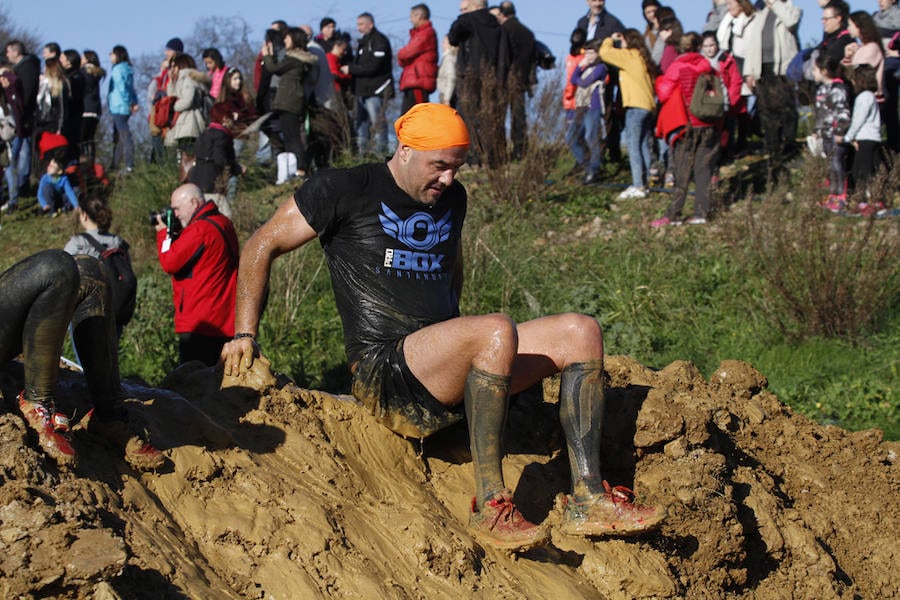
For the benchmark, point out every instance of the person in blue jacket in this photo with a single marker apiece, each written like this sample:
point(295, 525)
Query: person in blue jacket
point(54, 190)
point(123, 102)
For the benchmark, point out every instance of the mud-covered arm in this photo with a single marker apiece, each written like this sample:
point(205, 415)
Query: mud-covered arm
point(287, 230)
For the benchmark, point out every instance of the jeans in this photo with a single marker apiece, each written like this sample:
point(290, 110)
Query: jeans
point(637, 139)
point(575, 136)
point(837, 165)
point(19, 167)
point(370, 116)
point(587, 127)
point(263, 149)
point(158, 154)
point(594, 133)
point(124, 143)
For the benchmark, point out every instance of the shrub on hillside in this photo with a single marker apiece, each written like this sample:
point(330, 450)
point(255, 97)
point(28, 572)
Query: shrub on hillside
point(822, 274)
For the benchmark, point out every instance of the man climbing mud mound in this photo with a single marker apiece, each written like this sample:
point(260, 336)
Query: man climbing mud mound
point(392, 234)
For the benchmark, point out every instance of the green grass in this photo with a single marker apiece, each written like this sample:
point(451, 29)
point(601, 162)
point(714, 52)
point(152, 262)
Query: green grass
point(687, 293)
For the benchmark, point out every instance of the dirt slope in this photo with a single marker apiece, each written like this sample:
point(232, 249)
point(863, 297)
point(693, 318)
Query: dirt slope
point(297, 494)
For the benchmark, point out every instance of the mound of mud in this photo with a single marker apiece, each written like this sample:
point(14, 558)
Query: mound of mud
point(299, 494)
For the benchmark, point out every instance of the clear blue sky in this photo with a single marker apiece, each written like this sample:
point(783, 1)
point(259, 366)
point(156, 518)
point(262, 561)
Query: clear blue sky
point(143, 26)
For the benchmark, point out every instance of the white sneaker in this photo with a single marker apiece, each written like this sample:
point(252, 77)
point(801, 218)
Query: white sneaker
point(633, 193)
point(696, 221)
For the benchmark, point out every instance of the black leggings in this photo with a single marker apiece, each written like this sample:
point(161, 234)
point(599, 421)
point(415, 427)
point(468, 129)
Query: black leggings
point(88, 131)
point(291, 129)
point(39, 296)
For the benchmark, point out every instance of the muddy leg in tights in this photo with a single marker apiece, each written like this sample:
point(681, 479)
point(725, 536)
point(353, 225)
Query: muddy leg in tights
point(581, 405)
point(37, 299)
point(485, 401)
point(94, 331)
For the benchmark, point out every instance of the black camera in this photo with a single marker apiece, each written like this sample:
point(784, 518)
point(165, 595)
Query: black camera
point(168, 217)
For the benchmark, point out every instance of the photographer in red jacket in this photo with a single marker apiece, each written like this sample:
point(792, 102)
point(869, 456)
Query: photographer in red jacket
point(419, 59)
point(198, 247)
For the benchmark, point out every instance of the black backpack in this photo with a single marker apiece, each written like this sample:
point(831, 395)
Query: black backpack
point(122, 279)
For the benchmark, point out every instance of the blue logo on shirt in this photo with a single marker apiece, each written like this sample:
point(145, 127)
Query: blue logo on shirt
point(419, 231)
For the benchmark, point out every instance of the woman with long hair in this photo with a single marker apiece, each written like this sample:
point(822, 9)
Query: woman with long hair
point(651, 31)
point(868, 50)
point(636, 74)
point(92, 73)
point(190, 87)
point(52, 99)
point(216, 67)
point(122, 102)
point(95, 218)
point(730, 33)
point(659, 44)
point(670, 32)
point(71, 64)
point(235, 93)
point(289, 104)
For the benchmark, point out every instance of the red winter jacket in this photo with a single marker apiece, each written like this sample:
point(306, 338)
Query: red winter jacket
point(681, 76)
point(419, 59)
point(572, 61)
point(203, 264)
point(730, 74)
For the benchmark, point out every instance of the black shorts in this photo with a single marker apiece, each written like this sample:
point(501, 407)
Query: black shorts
point(388, 389)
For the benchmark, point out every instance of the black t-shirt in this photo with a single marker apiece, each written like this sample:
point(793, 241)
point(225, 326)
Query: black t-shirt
point(391, 257)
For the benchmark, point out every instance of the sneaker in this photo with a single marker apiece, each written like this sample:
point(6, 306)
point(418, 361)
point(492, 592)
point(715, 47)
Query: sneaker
point(51, 428)
point(591, 178)
point(8, 208)
point(836, 203)
point(867, 209)
point(500, 524)
point(610, 513)
point(633, 193)
point(696, 221)
point(138, 451)
point(663, 222)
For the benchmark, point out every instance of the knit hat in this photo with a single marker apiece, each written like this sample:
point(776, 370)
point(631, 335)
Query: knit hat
point(175, 44)
point(51, 141)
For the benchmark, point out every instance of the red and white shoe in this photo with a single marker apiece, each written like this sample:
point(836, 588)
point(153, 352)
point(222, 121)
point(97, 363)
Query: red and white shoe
point(51, 428)
point(498, 523)
point(612, 513)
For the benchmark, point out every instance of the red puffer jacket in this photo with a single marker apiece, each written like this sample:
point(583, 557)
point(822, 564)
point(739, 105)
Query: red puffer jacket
point(203, 264)
point(419, 59)
point(681, 76)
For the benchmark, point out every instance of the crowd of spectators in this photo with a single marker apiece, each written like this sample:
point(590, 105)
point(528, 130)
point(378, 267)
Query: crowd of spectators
point(762, 77)
point(314, 94)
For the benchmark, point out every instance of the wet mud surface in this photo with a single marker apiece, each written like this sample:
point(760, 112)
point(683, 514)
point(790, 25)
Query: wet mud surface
point(290, 493)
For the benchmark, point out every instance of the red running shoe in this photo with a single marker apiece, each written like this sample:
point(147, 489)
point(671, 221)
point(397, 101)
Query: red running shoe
point(120, 434)
point(612, 513)
point(500, 524)
point(51, 428)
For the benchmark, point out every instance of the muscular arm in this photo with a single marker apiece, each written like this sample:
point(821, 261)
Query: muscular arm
point(287, 230)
